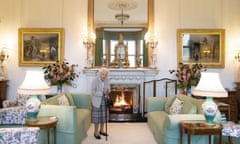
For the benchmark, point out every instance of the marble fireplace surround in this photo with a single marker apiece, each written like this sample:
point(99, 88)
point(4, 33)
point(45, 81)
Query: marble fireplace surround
point(124, 76)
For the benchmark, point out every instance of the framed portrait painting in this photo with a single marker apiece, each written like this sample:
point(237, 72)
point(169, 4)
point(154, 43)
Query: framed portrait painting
point(205, 46)
point(40, 46)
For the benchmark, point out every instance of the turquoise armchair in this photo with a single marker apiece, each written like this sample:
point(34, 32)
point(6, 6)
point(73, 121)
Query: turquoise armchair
point(73, 120)
point(165, 126)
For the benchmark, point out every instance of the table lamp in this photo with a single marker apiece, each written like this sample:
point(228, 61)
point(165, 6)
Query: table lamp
point(209, 86)
point(34, 84)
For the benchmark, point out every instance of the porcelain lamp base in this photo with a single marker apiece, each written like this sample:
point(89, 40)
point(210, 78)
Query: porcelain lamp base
point(32, 116)
point(32, 106)
point(209, 109)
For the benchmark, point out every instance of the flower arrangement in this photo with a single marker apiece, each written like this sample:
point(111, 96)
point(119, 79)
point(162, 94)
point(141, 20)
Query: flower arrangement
point(188, 75)
point(60, 73)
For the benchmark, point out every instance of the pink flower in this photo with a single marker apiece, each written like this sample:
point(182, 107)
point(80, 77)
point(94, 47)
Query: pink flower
point(188, 74)
point(60, 73)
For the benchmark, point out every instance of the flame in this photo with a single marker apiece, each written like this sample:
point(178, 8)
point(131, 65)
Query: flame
point(120, 100)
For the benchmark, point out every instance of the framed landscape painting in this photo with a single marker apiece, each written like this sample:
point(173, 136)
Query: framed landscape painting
point(40, 46)
point(205, 46)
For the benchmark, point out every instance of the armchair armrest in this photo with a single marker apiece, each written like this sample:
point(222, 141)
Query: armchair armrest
point(13, 115)
point(66, 116)
point(155, 103)
point(9, 103)
point(173, 121)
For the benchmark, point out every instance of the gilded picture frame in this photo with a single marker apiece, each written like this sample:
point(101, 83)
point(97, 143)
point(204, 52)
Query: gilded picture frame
point(205, 46)
point(40, 46)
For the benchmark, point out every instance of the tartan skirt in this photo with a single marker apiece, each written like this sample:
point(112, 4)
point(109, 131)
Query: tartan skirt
point(99, 114)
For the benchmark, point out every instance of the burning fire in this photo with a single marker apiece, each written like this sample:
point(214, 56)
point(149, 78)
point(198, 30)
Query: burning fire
point(120, 100)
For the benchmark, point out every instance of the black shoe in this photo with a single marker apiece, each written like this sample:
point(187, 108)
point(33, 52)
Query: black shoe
point(103, 133)
point(97, 136)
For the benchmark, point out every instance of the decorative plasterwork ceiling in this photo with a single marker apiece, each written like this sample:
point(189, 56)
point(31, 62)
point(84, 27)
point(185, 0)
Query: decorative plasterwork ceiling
point(105, 16)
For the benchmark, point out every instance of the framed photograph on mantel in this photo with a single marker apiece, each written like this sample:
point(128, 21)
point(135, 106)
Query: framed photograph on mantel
point(40, 46)
point(205, 46)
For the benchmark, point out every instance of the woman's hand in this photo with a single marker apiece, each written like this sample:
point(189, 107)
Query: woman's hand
point(105, 92)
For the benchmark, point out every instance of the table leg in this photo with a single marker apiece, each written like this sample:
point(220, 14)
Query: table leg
point(189, 137)
point(220, 137)
point(48, 133)
point(181, 133)
point(230, 140)
point(54, 135)
point(209, 139)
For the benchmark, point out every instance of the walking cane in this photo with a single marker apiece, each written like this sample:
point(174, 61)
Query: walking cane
point(105, 101)
point(106, 116)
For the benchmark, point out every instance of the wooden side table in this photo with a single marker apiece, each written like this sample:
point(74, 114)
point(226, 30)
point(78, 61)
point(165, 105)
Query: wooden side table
point(46, 122)
point(200, 128)
point(3, 91)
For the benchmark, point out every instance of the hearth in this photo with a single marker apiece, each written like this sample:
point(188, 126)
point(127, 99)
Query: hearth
point(126, 118)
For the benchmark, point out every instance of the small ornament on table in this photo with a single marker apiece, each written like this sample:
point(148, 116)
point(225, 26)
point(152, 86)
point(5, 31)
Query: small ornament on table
point(139, 62)
point(104, 61)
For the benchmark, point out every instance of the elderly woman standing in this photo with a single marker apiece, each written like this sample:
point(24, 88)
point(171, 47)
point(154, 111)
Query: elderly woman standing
point(100, 91)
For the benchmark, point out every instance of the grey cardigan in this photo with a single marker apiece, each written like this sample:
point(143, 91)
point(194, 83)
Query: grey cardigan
point(97, 90)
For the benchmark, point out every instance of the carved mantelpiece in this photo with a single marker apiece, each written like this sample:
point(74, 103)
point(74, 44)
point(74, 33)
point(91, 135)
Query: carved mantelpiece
point(125, 74)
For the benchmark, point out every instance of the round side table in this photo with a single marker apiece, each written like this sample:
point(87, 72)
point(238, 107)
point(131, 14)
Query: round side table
point(45, 122)
point(197, 127)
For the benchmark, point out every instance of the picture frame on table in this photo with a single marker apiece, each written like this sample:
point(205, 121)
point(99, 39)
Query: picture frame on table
point(205, 46)
point(40, 46)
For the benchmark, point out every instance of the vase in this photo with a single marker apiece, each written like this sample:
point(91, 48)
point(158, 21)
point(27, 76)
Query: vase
point(186, 91)
point(59, 89)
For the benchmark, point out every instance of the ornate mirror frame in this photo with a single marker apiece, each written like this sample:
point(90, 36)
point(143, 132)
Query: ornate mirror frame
point(205, 46)
point(150, 22)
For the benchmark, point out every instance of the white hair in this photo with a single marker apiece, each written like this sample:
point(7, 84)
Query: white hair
point(104, 70)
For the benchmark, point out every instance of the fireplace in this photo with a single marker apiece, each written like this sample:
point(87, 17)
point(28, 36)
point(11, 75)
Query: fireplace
point(125, 98)
point(131, 80)
point(126, 102)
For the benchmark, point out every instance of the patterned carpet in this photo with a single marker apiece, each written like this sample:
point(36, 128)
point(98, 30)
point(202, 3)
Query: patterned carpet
point(123, 133)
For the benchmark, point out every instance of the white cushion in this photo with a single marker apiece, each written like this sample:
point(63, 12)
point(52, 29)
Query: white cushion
point(62, 100)
point(176, 107)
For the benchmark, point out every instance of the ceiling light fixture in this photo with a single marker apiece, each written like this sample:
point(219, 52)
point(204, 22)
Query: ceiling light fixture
point(122, 5)
point(122, 17)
